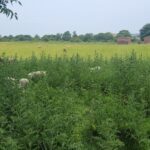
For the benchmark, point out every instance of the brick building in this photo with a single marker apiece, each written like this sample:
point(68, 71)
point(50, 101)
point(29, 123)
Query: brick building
point(147, 40)
point(124, 40)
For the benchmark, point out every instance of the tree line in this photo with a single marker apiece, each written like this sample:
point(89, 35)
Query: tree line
point(88, 37)
point(72, 37)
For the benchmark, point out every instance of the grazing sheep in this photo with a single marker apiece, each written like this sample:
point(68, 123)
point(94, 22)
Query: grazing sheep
point(2, 59)
point(37, 74)
point(23, 83)
point(7, 60)
point(11, 60)
point(96, 68)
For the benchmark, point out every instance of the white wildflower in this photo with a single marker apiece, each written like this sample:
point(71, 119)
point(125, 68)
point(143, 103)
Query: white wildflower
point(96, 68)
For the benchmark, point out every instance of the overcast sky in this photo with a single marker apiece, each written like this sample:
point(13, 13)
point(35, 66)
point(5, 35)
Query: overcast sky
point(84, 16)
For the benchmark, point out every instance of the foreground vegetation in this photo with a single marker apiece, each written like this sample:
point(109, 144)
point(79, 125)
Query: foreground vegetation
point(74, 107)
point(108, 50)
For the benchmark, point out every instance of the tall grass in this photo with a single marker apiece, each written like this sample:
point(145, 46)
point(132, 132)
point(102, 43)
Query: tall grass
point(74, 108)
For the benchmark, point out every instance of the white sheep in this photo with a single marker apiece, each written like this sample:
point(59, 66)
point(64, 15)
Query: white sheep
point(2, 59)
point(96, 68)
point(11, 60)
point(23, 83)
point(37, 74)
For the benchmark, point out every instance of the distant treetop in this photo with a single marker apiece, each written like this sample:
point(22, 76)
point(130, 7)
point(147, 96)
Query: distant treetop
point(124, 33)
point(145, 31)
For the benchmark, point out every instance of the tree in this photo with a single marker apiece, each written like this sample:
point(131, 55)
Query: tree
point(75, 37)
point(124, 33)
point(37, 37)
point(66, 36)
point(23, 38)
point(145, 31)
point(58, 36)
point(88, 37)
point(45, 38)
point(74, 34)
point(108, 37)
point(104, 37)
point(7, 11)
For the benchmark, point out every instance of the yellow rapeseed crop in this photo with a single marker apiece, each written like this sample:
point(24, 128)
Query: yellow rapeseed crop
point(26, 49)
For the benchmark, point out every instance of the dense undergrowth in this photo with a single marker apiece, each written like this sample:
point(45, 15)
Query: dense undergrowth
point(73, 108)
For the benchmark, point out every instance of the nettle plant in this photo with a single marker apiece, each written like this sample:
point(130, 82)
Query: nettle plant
point(75, 108)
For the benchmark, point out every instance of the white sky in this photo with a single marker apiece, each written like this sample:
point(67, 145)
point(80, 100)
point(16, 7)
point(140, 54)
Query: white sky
point(84, 16)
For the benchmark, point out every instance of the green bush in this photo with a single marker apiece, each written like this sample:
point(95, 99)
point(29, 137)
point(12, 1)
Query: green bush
point(74, 108)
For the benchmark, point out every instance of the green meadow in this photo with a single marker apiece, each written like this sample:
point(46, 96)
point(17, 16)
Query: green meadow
point(26, 49)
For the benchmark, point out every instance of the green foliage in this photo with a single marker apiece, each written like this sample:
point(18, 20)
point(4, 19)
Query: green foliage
point(124, 33)
point(51, 37)
point(7, 11)
point(104, 37)
point(36, 38)
point(74, 107)
point(145, 31)
point(87, 37)
point(66, 36)
point(23, 38)
point(76, 39)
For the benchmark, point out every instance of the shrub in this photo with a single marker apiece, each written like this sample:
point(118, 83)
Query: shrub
point(76, 109)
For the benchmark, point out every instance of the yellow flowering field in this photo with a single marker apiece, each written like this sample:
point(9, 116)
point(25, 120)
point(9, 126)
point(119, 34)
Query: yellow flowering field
point(26, 49)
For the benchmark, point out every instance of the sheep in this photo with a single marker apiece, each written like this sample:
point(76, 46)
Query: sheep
point(96, 68)
point(23, 83)
point(37, 74)
point(7, 60)
point(11, 60)
point(2, 59)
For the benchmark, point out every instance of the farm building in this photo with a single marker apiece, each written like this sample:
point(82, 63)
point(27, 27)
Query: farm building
point(124, 40)
point(147, 40)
